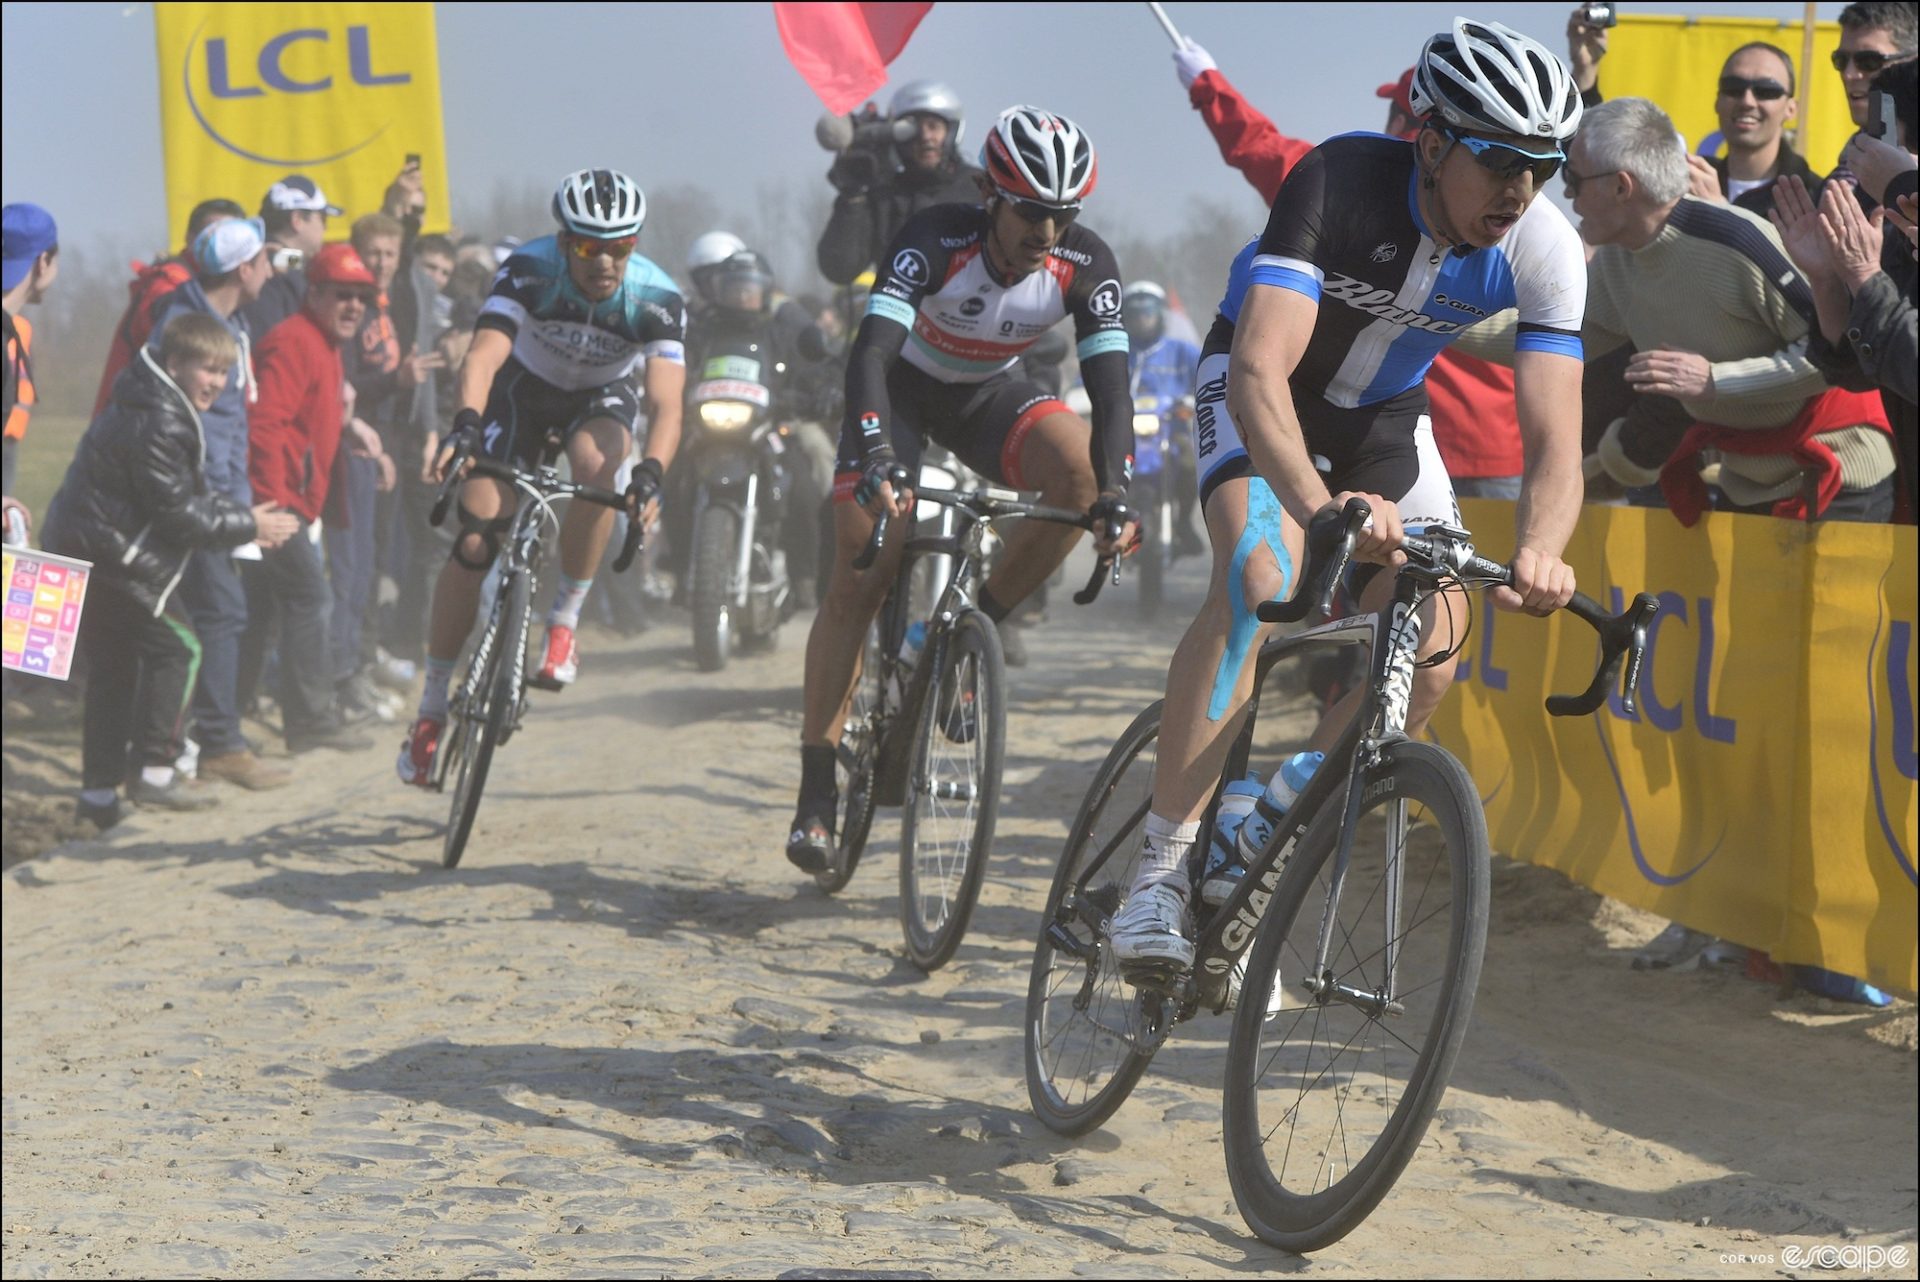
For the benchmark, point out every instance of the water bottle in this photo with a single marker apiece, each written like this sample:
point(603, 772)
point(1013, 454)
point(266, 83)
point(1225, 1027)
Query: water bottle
point(1236, 803)
point(1255, 828)
point(910, 647)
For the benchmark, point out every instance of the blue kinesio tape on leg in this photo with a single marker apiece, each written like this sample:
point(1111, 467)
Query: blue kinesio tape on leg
point(1263, 526)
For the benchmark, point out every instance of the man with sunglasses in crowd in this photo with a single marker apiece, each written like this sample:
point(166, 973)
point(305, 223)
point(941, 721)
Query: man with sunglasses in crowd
point(963, 292)
point(571, 321)
point(1754, 101)
point(1873, 33)
point(1378, 252)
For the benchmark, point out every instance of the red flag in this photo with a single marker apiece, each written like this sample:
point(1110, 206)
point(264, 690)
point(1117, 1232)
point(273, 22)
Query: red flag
point(842, 50)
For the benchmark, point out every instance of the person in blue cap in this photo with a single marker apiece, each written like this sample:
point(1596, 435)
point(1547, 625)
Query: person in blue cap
point(29, 261)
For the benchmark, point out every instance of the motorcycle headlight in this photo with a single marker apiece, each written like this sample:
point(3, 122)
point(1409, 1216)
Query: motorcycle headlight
point(725, 416)
point(1146, 425)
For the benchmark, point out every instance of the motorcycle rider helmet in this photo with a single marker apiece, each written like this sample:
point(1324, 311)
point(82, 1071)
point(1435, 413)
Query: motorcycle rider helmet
point(931, 98)
point(1034, 155)
point(743, 283)
point(1485, 78)
point(603, 204)
point(708, 252)
point(1144, 313)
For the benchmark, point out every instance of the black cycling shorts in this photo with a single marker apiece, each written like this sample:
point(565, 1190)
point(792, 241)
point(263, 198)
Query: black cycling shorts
point(983, 424)
point(522, 408)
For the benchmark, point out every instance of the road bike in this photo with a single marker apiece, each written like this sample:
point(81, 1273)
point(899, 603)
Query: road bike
point(490, 701)
point(926, 728)
point(1351, 951)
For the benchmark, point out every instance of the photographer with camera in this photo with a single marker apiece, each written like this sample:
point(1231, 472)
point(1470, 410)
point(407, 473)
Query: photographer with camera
point(888, 169)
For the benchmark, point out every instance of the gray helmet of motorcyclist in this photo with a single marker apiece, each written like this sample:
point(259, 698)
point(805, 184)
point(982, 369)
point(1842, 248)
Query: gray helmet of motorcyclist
point(1144, 313)
point(743, 283)
point(930, 98)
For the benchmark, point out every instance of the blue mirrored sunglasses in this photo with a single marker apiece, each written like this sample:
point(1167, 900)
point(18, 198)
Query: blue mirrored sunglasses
point(1507, 162)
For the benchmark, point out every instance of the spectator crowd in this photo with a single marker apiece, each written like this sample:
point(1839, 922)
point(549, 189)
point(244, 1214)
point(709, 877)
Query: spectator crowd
point(252, 486)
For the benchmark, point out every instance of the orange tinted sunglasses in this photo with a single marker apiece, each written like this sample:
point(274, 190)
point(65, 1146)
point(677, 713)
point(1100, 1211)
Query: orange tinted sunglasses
point(588, 247)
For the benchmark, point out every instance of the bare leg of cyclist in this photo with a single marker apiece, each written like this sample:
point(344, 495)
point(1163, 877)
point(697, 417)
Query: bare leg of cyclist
point(1055, 459)
point(1209, 684)
point(835, 647)
point(594, 455)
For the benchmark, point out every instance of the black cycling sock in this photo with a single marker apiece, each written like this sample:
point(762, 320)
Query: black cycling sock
point(816, 772)
point(991, 607)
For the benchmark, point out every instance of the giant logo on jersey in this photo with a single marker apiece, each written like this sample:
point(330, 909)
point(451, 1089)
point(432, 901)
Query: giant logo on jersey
point(1105, 300)
point(1380, 302)
point(910, 265)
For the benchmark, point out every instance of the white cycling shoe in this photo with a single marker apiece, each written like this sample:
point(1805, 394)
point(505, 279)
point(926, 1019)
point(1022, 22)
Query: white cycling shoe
point(1149, 933)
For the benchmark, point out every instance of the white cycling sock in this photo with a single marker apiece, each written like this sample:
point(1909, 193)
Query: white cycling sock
point(433, 700)
point(99, 796)
point(156, 776)
point(1164, 859)
point(567, 602)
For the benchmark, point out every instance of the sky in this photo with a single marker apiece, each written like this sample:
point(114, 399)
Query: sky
point(702, 94)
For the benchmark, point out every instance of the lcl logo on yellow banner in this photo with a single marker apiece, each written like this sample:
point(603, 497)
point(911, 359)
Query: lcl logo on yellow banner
point(340, 92)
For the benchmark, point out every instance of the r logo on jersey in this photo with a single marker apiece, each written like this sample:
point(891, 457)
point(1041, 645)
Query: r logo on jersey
point(973, 306)
point(1105, 301)
point(910, 265)
point(1385, 251)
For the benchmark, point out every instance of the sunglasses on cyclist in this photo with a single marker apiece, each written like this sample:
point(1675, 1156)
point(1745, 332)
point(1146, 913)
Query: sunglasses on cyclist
point(1867, 61)
point(586, 247)
point(1507, 162)
point(1032, 211)
point(1763, 90)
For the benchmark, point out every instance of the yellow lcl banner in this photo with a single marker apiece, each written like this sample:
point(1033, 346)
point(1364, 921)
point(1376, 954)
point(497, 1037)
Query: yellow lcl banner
point(1764, 788)
point(1676, 61)
point(342, 93)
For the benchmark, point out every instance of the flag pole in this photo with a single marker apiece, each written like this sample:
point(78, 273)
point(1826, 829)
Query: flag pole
point(1803, 126)
point(1166, 23)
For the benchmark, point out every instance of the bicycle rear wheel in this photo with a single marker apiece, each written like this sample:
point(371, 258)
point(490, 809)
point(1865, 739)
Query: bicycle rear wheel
point(858, 757)
point(489, 709)
point(953, 791)
point(1089, 1034)
point(1328, 1095)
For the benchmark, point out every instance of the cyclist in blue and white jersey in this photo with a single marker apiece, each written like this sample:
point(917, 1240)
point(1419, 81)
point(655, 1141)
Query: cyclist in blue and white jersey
point(580, 336)
point(964, 291)
point(1377, 253)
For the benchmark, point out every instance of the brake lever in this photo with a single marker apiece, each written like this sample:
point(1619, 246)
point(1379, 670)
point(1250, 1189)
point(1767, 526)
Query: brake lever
point(896, 477)
point(1623, 637)
point(1322, 550)
point(449, 487)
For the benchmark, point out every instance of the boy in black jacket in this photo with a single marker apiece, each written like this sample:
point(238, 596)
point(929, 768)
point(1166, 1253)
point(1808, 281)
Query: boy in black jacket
point(136, 503)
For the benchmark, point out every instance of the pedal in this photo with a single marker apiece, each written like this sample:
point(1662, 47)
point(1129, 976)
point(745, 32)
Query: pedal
point(1151, 975)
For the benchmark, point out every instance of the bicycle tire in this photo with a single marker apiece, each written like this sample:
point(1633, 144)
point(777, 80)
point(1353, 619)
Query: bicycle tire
point(943, 856)
point(1346, 1141)
point(858, 756)
point(1069, 987)
point(484, 731)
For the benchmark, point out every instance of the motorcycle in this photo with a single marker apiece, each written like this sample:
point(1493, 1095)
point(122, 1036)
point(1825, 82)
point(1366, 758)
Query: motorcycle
point(1161, 432)
point(738, 589)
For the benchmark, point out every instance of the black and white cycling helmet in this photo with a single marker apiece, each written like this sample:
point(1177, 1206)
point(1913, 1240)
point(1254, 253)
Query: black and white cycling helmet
point(1487, 78)
point(931, 98)
point(602, 203)
point(1038, 156)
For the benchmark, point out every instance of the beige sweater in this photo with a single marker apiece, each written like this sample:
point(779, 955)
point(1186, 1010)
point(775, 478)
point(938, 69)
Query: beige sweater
point(1716, 281)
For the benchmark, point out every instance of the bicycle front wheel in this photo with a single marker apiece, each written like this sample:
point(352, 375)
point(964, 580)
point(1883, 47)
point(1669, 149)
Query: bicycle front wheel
point(953, 789)
point(1089, 1034)
point(1332, 1078)
point(487, 714)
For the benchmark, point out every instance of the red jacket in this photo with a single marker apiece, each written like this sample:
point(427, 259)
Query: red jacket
point(294, 428)
point(1469, 400)
point(1833, 409)
point(144, 292)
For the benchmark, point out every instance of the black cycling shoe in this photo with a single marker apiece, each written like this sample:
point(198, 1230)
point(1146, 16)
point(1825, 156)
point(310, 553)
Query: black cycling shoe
point(810, 844)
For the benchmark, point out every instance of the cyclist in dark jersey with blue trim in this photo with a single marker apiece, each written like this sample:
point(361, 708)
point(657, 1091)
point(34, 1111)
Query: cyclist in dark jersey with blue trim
point(1377, 253)
point(965, 290)
point(580, 336)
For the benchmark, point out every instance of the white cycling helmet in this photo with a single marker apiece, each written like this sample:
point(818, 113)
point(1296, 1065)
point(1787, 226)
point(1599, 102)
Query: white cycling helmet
point(602, 203)
point(1144, 289)
point(712, 248)
point(1035, 155)
point(933, 98)
point(1487, 78)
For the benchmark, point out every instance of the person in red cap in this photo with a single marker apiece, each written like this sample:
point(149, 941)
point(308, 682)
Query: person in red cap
point(294, 433)
point(1469, 400)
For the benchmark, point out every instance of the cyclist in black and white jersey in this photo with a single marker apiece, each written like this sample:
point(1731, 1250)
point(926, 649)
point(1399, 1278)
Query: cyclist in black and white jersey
point(964, 290)
point(1377, 253)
